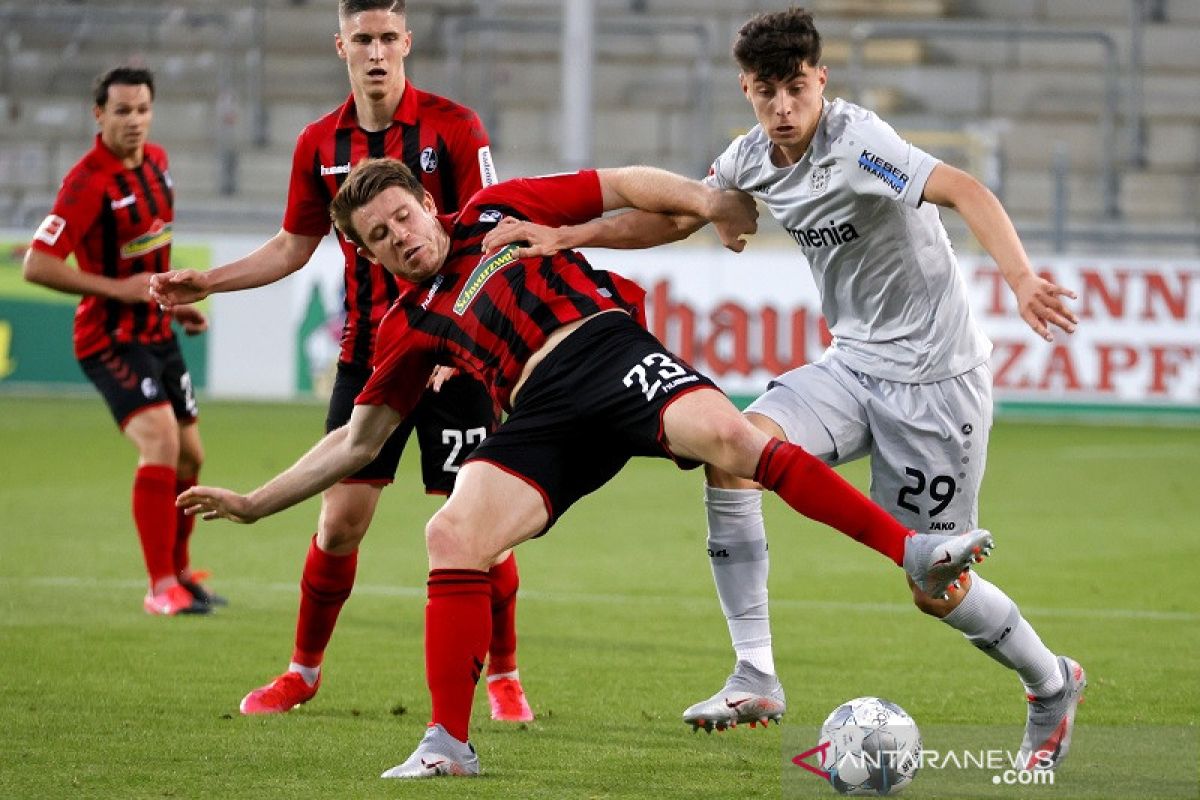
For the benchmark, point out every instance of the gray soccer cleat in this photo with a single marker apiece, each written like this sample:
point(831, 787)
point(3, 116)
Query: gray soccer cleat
point(1051, 720)
point(750, 695)
point(438, 754)
point(935, 561)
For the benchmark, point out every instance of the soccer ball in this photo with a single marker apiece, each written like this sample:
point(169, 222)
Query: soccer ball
point(869, 746)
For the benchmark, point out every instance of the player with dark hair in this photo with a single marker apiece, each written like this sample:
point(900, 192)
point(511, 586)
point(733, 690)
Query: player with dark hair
point(906, 380)
point(587, 387)
point(446, 145)
point(115, 212)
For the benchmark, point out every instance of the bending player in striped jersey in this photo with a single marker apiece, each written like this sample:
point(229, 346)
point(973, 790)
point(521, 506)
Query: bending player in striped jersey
point(446, 144)
point(587, 387)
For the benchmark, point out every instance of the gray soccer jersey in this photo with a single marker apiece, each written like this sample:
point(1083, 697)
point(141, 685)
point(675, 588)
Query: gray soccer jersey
point(890, 288)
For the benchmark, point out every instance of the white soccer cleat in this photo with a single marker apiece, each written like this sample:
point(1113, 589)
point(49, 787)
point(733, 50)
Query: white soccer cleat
point(935, 561)
point(749, 695)
point(1051, 720)
point(439, 754)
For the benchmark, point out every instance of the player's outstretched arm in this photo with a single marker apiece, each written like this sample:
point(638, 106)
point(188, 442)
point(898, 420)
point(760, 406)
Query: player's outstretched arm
point(732, 213)
point(1039, 301)
point(341, 453)
point(54, 273)
point(633, 230)
point(280, 256)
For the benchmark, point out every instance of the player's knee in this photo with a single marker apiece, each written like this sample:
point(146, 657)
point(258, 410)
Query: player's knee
point(341, 529)
point(449, 542)
point(190, 460)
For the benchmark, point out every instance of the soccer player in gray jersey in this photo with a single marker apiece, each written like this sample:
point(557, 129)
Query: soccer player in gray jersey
point(905, 381)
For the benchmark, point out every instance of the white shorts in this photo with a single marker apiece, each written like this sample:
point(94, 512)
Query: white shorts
point(927, 441)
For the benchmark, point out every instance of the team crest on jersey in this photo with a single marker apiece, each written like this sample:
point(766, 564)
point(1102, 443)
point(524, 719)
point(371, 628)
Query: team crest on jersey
point(158, 235)
point(50, 229)
point(818, 180)
point(429, 159)
point(491, 215)
point(480, 275)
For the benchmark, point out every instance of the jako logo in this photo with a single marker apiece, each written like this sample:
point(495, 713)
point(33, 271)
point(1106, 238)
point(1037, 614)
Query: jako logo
point(835, 233)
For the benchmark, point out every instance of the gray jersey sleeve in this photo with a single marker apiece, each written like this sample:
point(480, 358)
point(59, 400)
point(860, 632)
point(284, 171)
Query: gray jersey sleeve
point(723, 174)
point(877, 161)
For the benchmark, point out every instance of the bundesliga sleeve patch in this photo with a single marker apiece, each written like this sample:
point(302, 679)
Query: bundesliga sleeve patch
point(487, 171)
point(50, 229)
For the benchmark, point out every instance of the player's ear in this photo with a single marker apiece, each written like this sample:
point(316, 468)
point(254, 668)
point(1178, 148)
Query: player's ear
point(744, 82)
point(428, 203)
point(339, 45)
point(367, 254)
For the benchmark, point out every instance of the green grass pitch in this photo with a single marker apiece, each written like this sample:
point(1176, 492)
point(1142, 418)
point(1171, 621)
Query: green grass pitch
point(1098, 540)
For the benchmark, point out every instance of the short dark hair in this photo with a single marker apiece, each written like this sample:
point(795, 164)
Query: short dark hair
point(366, 182)
point(121, 76)
point(775, 45)
point(348, 8)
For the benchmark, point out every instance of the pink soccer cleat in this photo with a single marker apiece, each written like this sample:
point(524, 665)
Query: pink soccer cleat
point(508, 702)
point(172, 601)
point(282, 694)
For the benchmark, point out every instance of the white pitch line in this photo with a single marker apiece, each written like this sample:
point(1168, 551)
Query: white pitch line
point(69, 582)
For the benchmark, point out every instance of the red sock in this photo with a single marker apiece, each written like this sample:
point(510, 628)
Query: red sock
point(458, 625)
point(502, 652)
point(324, 587)
point(154, 515)
point(183, 530)
point(816, 491)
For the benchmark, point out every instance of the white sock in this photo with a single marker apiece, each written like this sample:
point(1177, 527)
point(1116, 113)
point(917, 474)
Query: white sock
point(310, 674)
point(993, 623)
point(515, 675)
point(737, 550)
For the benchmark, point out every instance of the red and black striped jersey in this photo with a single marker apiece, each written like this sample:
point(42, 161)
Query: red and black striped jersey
point(118, 223)
point(441, 141)
point(487, 316)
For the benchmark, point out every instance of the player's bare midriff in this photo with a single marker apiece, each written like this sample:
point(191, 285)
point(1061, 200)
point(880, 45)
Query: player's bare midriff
point(552, 341)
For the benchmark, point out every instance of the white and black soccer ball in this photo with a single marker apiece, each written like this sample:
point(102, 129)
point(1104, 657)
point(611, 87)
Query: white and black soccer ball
point(874, 747)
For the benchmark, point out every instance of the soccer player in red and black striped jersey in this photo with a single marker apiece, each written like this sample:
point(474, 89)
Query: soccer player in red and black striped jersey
point(115, 213)
point(587, 387)
point(446, 145)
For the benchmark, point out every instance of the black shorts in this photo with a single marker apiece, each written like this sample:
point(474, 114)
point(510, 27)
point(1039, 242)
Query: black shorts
point(133, 377)
point(449, 424)
point(596, 401)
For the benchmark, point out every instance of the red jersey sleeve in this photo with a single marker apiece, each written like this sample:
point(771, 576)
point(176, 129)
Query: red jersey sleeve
point(75, 211)
point(307, 212)
point(472, 158)
point(402, 366)
point(556, 200)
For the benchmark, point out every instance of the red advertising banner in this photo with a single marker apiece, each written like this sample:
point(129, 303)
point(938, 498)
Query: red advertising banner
point(743, 318)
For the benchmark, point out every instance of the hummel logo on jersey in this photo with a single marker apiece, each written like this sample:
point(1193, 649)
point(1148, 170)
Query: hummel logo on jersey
point(127, 200)
point(834, 233)
point(887, 172)
point(437, 284)
point(339, 169)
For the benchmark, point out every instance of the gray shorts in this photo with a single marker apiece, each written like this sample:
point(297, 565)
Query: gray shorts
point(927, 441)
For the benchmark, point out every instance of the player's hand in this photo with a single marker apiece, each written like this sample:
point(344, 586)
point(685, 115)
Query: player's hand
point(535, 240)
point(733, 215)
point(210, 502)
point(1040, 303)
point(134, 289)
point(439, 376)
point(178, 287)
point(191, 318)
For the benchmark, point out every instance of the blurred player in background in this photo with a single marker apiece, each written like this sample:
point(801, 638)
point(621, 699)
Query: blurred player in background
point(587, 387)
point(115, 213)
point(906, 380)
point(445, 144)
